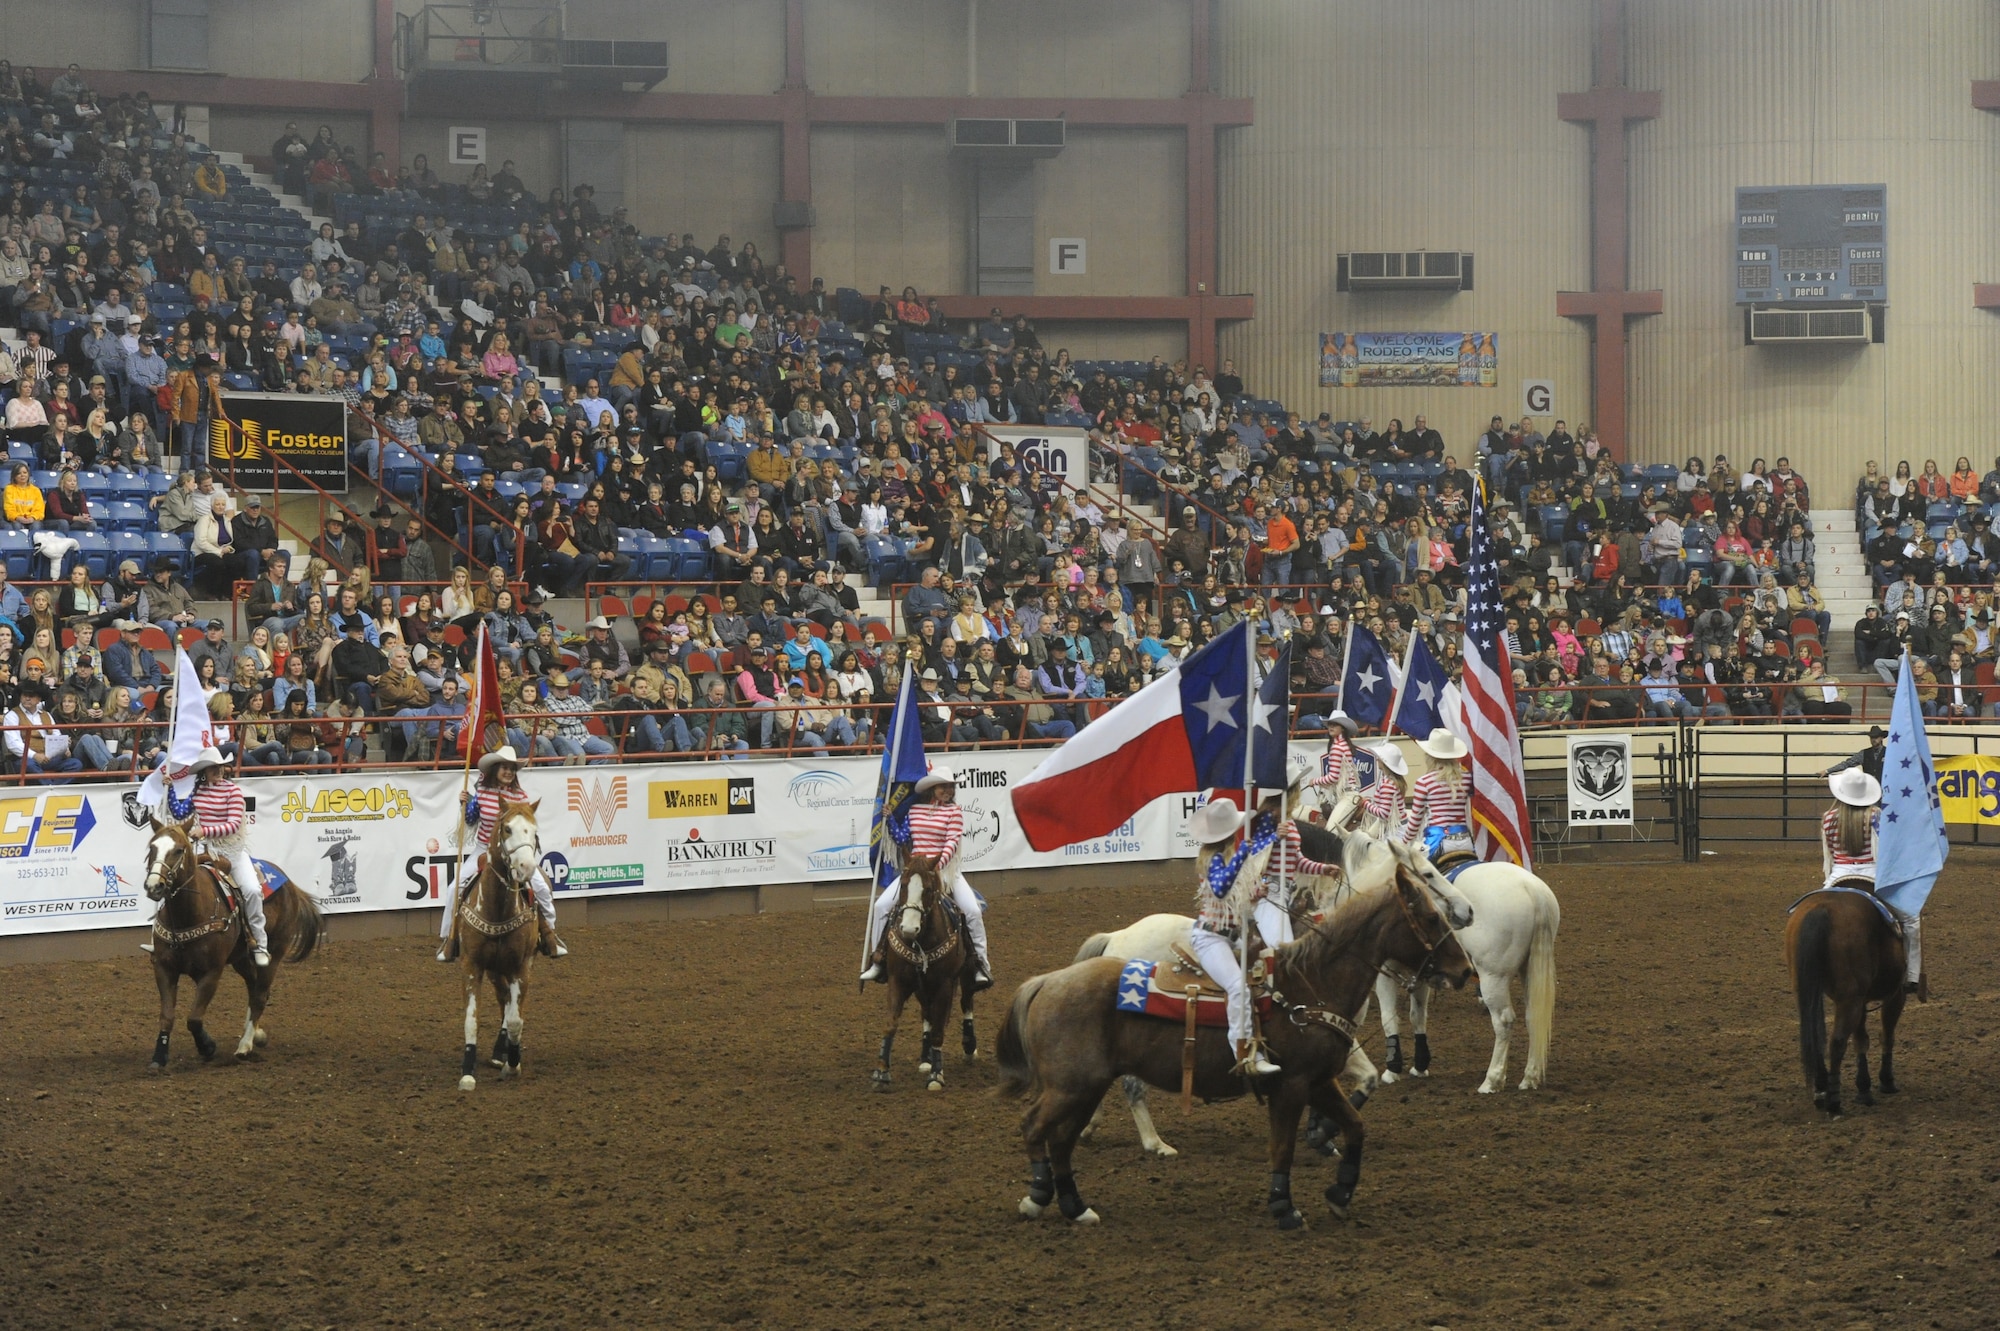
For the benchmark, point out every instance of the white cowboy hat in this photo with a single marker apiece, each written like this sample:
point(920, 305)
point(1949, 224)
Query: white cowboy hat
point(1336, 717)
point(937, 776)
point(207, 758)
point(1215, 820)
point(494, 757)
point(1856, 787)
point(1442, 745)
point(1390, 757)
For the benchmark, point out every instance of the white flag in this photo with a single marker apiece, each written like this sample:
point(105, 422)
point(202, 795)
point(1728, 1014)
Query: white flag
point(193, 731)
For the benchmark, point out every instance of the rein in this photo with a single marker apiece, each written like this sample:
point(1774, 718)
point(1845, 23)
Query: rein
point(1431, 946)
point(921, 957)
point(184, 883)
point(469, 909)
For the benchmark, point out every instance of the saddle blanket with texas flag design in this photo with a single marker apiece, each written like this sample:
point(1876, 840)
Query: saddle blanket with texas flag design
point(1144, 993)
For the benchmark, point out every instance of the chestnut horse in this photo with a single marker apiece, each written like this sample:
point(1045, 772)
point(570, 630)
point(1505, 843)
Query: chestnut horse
point(926, 955)
point(498, 928)
point(1841, 943)
point(199, 930)
point(1065, 1042)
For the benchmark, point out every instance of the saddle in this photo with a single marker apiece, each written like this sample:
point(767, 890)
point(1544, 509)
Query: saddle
point(1144, 991)
point(1858, 886)
point(1452, 863)
point(269, 876)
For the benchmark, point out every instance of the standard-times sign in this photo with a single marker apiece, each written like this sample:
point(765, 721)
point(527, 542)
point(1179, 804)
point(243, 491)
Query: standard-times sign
point(308, 435)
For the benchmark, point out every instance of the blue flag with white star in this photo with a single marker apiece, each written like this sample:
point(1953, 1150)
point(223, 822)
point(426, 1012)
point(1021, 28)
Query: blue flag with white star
point(1365, 687)
point(1424, 680)
point(1273, 725)
point(1910, 844)
point(1213, 685)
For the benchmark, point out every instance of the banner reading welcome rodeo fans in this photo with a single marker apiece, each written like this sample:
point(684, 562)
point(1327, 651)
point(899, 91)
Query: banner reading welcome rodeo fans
point(73, 857)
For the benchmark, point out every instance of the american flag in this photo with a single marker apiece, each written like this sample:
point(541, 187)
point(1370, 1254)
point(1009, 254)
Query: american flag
point(1500, 823)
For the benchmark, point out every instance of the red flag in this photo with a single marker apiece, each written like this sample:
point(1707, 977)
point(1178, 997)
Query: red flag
point(485, 708)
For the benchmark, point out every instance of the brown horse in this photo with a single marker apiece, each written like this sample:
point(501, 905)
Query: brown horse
point(498, 929)
point(1840, 943)
point(199, 930)
point(1065, 1042)
point(925, 954)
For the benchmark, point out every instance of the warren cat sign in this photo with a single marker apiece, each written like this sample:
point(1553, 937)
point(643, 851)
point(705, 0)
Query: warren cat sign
point(309, 435)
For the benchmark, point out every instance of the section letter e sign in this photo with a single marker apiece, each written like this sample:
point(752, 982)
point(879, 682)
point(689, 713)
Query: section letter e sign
point(466, 145)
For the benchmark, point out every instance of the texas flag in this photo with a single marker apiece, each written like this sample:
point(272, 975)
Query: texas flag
point(1183, 732)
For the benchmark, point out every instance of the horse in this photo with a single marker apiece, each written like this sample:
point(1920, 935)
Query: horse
point(199, 930)
point(499, 929)
point(1841, 943)
point(1065, 1042)
point(1366, 863)
point(1516, 919)
point(926, 954)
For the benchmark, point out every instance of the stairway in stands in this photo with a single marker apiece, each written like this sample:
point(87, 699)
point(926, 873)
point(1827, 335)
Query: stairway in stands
point(1843, 580)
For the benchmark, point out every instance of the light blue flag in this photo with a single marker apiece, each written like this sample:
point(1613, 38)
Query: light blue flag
point(1910, 843)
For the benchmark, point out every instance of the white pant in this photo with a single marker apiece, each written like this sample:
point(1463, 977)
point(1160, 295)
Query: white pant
point(249, 889)
point(1913, 944)
point(1274, 925)
point(545, 899)
point(961, 893)
point(1217, 956)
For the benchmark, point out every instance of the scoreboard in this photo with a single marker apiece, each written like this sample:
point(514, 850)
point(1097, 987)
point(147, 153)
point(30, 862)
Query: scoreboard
point(1812, 244)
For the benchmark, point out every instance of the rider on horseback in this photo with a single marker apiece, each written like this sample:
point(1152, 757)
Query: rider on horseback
point(1273, 911)
point(1438, 800)
point(1392, 783)
point(1226, 880)
point(1847, 834)
point(499, 783)
point(937, 826)
point(220, 816)
point(1338, 771)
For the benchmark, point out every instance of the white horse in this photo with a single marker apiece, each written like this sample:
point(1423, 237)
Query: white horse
point(1515, 918)
point(1366, 862)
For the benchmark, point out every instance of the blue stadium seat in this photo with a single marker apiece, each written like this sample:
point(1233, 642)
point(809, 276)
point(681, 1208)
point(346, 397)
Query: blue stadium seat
point(129, 545)
point(159, 545)
point(127, 515)
point(18, 549)
point(693, 561)
point(95, 551)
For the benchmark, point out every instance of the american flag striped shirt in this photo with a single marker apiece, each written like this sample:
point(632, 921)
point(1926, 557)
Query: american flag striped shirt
point(219, 809)
point(1433, 803)
point(490, 798)
point(1336, 768)
point(935, 830)
point(1844, 864)
point(1385, 801)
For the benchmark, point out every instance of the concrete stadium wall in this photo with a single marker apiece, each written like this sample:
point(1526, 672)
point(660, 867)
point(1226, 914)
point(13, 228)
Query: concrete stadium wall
point(1407, 124)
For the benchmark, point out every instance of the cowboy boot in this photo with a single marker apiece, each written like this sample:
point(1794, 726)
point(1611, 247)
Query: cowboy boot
point(983, 978)
point(550, 945)
point(875, 973)
point(1250, 1060)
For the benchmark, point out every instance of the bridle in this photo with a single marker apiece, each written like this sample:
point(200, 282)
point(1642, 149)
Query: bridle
point(1408, 980)
point(182, 881)
point(502, 866)
point(918, 956)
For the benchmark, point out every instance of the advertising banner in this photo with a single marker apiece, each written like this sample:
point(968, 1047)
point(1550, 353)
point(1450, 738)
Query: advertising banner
point(1969, 789)
point(1600, 779)
point(1059, 452)
point(1409, 360)
point(309, 433)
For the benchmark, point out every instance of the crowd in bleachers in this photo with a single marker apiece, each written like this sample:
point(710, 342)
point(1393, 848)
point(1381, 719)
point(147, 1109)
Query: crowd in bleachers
point(1933, 557)
point(552, 403)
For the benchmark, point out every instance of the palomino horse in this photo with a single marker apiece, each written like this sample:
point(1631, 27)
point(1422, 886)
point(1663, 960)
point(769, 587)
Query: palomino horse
point(498, 928)
point(1517, 917)
point(1366, 863)
point(1841, 943)
point(199, 930)
point(1065, 1042)
point(925, 954)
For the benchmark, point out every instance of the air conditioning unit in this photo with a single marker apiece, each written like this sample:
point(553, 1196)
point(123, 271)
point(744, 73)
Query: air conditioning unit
point(1404, 270)
point(1844, 323)
point(1013, 138)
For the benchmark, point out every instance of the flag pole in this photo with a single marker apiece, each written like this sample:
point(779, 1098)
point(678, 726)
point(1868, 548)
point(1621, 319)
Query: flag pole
point(1396, 698)
point(1346, 659)
point(478, 737)
point(1249, 776)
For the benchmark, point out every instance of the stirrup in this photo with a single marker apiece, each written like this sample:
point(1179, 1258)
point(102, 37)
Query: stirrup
point(1250, 1060)
point(261, 955)
point(984, 977)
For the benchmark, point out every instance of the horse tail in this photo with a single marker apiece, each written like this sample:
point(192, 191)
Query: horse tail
point(1541, 983)
point(1017, 1070)
point(1093, 946)
point(294, 923)
point(1812, 975)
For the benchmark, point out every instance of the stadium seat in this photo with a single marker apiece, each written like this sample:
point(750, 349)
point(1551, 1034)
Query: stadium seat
point(159, 545)
point(18, 549)
point(95, 551)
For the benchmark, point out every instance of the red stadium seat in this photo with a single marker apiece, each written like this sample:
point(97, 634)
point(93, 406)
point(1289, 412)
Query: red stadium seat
point(1587, 627)
point(611, 607)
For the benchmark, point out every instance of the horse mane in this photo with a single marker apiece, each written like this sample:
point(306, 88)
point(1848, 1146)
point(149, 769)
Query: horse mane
point(1324, 942)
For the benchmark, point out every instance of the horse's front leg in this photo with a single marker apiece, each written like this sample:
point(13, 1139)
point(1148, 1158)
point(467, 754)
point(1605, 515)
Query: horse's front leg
point(509, 998)
point(896, 998)
point(1326, 1098)
point(204, 993)
point(1863, 1091)
point(1497, 993)
point(1387, 996)
point(1288, 1100)
point(1892, 1012)
point(1420, 1020)
point(466, 1081)
point(256, 993)
point(1847, 1018)
point(169, 983)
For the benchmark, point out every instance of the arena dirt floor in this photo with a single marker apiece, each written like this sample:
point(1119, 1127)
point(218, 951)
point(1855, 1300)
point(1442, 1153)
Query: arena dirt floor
point(696, 1144)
